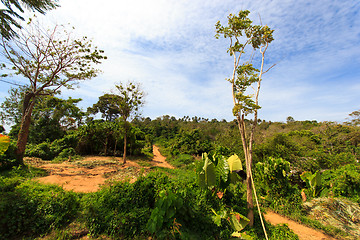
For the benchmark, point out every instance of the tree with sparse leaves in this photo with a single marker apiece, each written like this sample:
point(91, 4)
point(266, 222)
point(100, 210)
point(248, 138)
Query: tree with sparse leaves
point(47, 60)
point(10, 15)
point(130, 99)
point(243, 34)
point(354, 118)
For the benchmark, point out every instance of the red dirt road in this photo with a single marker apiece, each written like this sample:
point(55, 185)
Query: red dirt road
point(304, 233)
point(91, 172)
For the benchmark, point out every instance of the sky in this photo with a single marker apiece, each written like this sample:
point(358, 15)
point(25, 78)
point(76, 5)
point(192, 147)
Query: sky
point(169, 47)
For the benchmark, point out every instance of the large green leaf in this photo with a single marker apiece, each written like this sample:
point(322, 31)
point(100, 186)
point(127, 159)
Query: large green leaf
point(218, 216)
point(238, 221)
point(316, 179)
point(207, 176)
point(222, 170)
point(234, 163)
point(4, 143)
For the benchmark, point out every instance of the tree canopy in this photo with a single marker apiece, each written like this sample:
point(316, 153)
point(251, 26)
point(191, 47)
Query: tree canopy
point(108, 106)
point(47, 60)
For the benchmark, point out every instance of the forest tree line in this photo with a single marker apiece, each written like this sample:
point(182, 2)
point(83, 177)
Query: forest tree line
point(61, 129)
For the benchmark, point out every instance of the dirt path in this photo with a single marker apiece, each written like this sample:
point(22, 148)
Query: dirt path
point(88, 174)
point(304, 233)
point(159, 159)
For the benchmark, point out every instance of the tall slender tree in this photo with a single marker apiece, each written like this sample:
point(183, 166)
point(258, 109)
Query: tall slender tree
point(47, 60)
point(242, 34)
point(130, 99)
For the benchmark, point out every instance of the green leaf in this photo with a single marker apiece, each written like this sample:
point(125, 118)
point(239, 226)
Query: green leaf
point(222, 170)
point(238, 221)
point(218, 216)
point(317, 179)
point(234, 177)
point(234, 163)
point(4, 143)
point(236, 234)
point(207, 177)
point(217, 220)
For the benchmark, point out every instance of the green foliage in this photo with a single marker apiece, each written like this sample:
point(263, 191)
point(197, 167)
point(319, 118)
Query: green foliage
point(30, 208)
point(105, 138)
point(122, 209)
point(272, 178)
point(42, 150)
point(8, 159)
point(4, 143)
point(313, 181)
point(207, 177)
point(282, 232)
point(52, 116)
point(354, 118)
point(190, 142)
point(215, 171)
point(107, 105)
point(162, 217)
point(243, 33)
point(13, 10)
point(181, 160)
point(343, 181)
point(130, 98)
point(341, 159)
point(237, 222)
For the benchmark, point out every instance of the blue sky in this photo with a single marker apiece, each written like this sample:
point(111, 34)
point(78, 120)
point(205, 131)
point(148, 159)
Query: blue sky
point(169, 47)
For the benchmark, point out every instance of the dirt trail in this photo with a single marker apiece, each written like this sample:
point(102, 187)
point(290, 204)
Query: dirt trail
point(91, 172)
point(159, 159)
point(304, 233)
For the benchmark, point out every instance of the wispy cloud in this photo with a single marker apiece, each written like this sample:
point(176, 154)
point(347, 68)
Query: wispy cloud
point(169, 47)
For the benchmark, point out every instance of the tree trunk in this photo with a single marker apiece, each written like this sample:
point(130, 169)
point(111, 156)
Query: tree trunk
point(106, 146)
point(249, 192)
point(248, 161)
point(28, 105)
point(115, 147)
point(125, 143)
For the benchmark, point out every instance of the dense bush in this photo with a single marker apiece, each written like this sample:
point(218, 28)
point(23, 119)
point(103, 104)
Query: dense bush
point(123, 209)
point(181, 160)
point(272, 178)
point(343, 181)
point(42, 150)
point(29, 208)
point(155, 204)
point(8, 159)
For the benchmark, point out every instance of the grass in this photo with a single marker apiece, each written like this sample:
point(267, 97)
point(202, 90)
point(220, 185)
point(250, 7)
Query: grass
point(26, 171)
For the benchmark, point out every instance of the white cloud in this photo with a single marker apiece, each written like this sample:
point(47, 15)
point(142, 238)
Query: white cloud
point(169, 47)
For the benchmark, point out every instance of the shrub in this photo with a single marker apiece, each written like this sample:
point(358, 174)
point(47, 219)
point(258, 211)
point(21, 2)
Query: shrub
point(123, 209)
point(272, 177)
point(181, 160)
point(8, 159)
point(42, 150)
point(31, 208)
point(344, 181)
